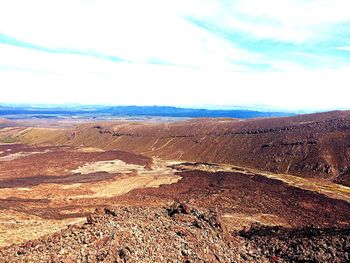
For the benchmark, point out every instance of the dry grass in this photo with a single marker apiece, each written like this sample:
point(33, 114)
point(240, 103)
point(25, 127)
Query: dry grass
point(133, 177)
point(14, 156)
point(16, 227)
point(237, 221)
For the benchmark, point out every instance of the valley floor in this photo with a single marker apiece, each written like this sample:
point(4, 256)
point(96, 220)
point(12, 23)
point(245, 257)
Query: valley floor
point(44, 189)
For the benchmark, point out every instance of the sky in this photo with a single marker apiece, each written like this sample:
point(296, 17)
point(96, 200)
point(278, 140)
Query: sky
point(285, 54)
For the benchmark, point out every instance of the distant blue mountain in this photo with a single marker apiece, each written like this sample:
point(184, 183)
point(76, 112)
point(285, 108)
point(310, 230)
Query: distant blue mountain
point(132, 111)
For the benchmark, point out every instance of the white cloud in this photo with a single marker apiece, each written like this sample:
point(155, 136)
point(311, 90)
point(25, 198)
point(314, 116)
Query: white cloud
point(91, 80)
point(33, 60)
point(344, 48)
point(298, 12)
point(296, 21)
point(134, 30)
point(140, 31)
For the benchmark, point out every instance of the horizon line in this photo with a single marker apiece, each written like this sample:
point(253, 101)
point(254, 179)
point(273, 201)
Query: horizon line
point(259, 108)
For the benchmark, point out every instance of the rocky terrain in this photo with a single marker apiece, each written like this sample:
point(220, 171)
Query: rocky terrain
point(308, 244)
point(176, 234)
point(314, 145)
point(202, 190)
point(179, 233)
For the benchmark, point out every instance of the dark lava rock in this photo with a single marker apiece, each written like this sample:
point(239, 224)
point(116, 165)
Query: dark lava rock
point(308, 244)
point(178, 208)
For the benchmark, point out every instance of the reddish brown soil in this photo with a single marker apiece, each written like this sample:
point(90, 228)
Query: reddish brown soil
point(39, 188)
point(315, 145)
point(57, 162)
point(64, 179)
point(54, 168)
point(7, 149)
point(249, 195)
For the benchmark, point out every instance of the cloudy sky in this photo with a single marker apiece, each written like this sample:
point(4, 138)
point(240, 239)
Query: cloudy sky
point(289, 54)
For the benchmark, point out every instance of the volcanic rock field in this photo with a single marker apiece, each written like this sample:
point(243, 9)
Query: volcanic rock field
point(199, 190)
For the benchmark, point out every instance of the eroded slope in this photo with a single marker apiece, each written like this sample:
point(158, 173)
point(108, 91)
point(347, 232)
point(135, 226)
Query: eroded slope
point(315, 145)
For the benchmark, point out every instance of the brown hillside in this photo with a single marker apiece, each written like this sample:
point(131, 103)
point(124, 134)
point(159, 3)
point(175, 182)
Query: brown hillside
point(314, 145)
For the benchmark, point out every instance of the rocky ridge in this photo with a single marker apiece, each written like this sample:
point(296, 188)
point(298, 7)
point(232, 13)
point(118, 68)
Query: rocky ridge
point(175, 234)
point(179, 233)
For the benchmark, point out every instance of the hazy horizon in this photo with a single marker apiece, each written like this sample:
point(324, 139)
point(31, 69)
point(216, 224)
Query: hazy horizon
point(185, 53)
point(258, 108)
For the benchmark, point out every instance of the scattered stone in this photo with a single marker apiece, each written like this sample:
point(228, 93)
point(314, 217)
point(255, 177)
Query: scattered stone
point(131, 234)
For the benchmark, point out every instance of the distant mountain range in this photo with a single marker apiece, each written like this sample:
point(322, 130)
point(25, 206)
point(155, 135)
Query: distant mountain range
point(19, 111)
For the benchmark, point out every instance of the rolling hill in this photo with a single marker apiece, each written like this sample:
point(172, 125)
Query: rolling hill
point(312, 145)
